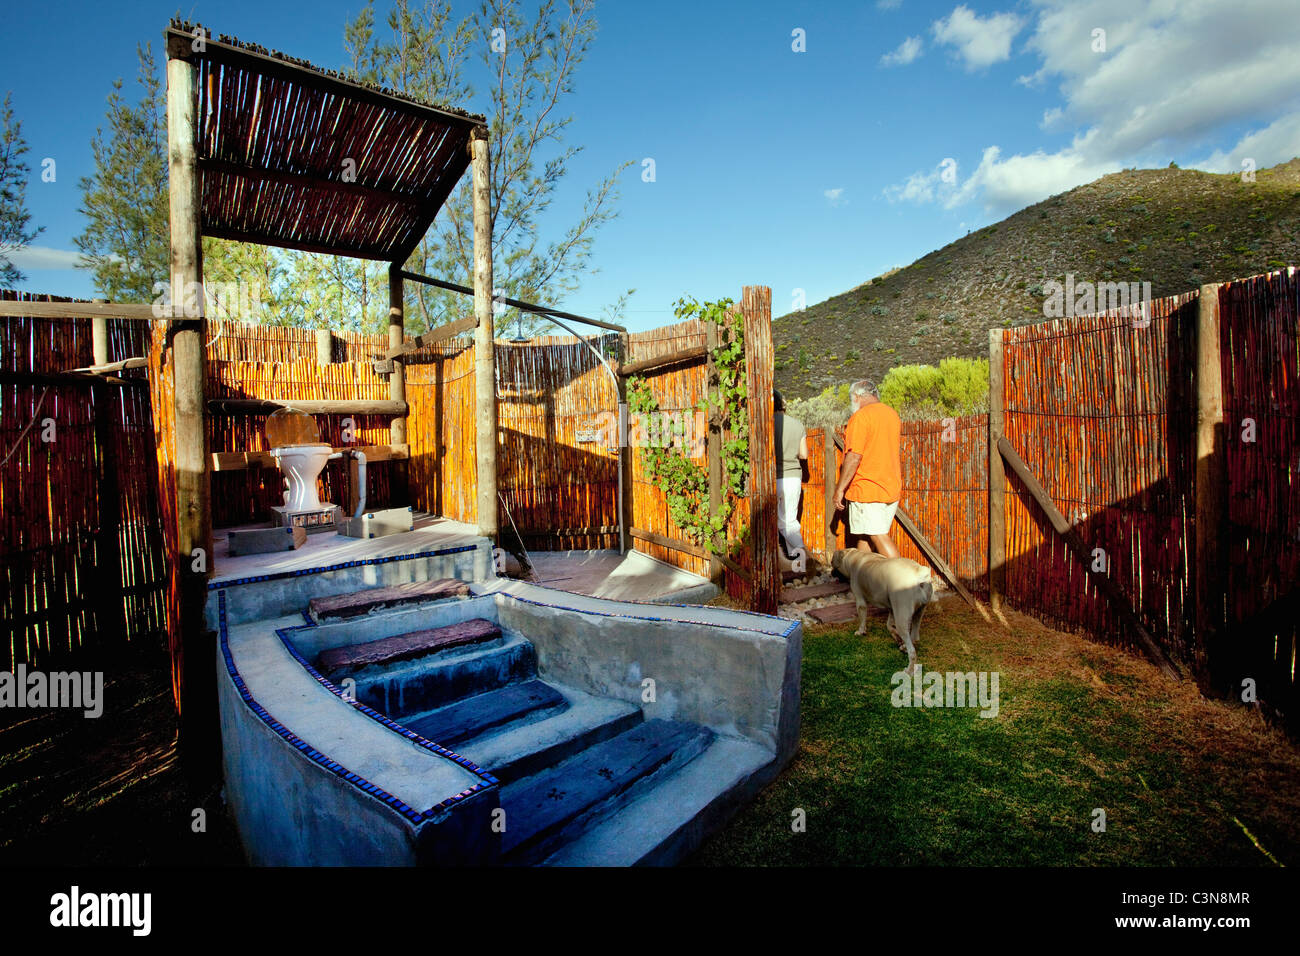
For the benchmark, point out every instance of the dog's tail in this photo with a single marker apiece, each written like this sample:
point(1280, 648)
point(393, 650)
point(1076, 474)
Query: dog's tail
point(925, 594)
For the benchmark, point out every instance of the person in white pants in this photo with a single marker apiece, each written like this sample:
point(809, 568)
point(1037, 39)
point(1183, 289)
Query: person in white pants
point(791, 447)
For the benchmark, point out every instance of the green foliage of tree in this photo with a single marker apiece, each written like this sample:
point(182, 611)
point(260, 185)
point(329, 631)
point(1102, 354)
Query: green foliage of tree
point(14, 217)
point(959, 386)
point(426, 53)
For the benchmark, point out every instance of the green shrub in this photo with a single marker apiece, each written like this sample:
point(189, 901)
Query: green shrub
point(830, 409)
point(959, 386)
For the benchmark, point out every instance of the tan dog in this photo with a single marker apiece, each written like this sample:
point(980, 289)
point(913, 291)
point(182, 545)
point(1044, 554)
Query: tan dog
point(899, 585)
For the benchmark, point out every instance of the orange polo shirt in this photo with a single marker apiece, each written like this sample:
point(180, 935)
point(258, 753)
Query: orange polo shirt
point(874, 432)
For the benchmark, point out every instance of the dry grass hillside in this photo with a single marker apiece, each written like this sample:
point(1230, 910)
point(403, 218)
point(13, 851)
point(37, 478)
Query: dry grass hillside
point(1175, 228)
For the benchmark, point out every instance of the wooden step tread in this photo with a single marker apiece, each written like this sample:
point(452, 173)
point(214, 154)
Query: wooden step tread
point(473, 716)
point(835, 613)
point(810, 591)
point(390, 650)
point(342, 606)
point(543, 804)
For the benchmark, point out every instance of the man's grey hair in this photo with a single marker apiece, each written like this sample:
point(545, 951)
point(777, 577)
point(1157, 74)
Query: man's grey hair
point(864, 388)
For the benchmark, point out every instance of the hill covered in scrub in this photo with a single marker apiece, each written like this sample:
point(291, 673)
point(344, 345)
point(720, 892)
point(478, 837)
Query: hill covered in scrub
point(1175, 228)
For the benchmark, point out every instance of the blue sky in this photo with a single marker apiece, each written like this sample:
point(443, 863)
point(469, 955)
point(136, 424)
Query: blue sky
point(897, 128)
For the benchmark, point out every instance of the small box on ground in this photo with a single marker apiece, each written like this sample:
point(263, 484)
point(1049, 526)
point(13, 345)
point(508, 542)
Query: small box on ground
point(377, 524)
point(265, 540)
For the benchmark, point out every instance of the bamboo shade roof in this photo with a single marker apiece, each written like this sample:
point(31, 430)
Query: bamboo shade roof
point(295, 156)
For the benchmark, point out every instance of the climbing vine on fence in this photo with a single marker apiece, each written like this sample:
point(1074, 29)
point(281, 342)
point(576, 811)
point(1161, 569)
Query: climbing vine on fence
point(684, 483)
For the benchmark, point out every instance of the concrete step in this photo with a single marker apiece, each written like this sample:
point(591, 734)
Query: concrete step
point(339, 607)
point(530, 747)
point(810, 591)
point(667, 822)
point(343, 661)
point(553, 807)
point(418, 686)
point(485, 713)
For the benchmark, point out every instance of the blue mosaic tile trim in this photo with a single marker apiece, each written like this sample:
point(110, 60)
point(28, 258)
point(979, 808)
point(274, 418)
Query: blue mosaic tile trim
point(647, 617)
point(408, 812)
point(279, 575)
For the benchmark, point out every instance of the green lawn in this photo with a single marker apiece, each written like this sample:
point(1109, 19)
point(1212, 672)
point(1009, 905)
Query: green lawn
point(1080, 726)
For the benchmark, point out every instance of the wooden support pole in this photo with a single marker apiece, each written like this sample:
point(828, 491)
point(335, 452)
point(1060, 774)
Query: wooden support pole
point(192, 644)
point(1209, 565)
point(756, 306)
point(1108, 587)
point(399, 477)
point(996, 476)
point(625, 455)
point(324, 346)
point(342, 406)
point(713, 449)
point(484, 339)
point(99, 338)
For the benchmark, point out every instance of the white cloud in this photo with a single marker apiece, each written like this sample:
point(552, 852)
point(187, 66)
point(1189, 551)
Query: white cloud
point(888, 4)
point(1210, 79)
point(938, 184)
point(39, 257)
point(907, 51)
point(833, 196)
point(980, 43)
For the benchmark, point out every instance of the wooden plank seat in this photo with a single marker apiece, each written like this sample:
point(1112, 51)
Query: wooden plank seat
point(342, 606)
point(338, 661)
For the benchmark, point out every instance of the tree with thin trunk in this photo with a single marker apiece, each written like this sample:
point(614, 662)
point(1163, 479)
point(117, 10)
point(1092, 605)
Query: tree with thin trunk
point(14, 217)
point(529, 70)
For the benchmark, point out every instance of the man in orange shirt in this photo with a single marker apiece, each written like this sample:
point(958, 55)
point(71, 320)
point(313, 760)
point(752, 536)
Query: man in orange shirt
point(871, 478)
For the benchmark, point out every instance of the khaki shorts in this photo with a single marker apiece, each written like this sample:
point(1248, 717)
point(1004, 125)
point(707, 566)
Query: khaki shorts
point(871, 517)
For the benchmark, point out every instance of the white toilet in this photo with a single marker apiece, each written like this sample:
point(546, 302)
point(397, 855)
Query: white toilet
point(296, 446)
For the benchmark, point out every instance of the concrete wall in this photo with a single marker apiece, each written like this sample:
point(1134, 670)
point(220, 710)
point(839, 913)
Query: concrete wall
point(254, 600)
point(734, 672)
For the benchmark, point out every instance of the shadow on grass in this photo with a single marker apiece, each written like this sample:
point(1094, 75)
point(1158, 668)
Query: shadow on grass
point(1081, 728)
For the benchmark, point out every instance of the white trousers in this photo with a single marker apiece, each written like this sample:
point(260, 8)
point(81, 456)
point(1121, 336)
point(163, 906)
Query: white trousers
point(788, 514)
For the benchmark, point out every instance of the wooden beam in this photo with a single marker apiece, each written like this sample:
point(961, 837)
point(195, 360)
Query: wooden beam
point(997, 479)
point(264, 406)
point(99, 338)
point(83, 310)
point(1209, 568)
point(932, 555)
point(514, 303)
point(243, 460)
point(485, 394)
point(756, 306)
point(1108, 587)
point(79, 377)
point(440, 334)
point(693, 354)
point(677, 544)
point(382, 253)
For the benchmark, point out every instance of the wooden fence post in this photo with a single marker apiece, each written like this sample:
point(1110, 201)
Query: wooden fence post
point(1209, 563)
point(399, 473)
point(756, 306)
point(830, 479)
point(713, 449)
point(997, 479)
